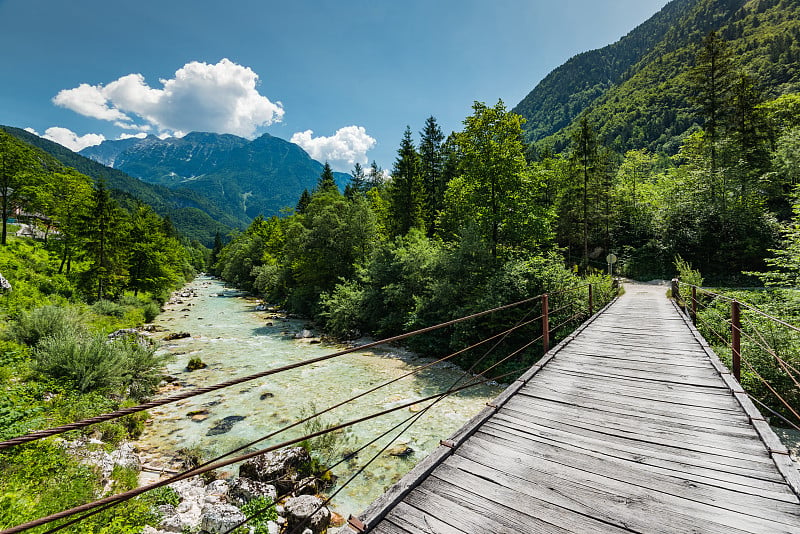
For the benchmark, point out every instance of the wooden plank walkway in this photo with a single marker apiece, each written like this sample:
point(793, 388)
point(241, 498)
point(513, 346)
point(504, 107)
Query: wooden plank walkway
point(629, 425)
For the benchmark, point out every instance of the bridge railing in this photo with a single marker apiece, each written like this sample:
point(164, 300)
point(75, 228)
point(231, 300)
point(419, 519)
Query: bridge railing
point(536, 323)
point(761, 350)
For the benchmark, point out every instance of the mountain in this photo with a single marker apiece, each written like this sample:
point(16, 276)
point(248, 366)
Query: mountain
point(195, 216)
point(636, 91)
point(249, 178)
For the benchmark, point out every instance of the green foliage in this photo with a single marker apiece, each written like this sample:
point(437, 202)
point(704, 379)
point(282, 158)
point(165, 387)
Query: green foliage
point(91, 362)
point(686, 273)
point(195, 364)
point(47, 321)
point(163, 495)
point(262, 510)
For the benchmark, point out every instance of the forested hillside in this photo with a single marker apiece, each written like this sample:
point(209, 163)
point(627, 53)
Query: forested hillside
point(245, 177)
point(645, 102)
point(194, 215)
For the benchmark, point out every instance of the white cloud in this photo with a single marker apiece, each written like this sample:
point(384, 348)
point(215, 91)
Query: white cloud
point(140, 135)
point(68, 138)
point(345, 148)
point(220, 98)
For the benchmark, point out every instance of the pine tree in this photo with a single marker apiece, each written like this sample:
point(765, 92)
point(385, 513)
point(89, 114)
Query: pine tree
point(432, 171)
point(405, 191)
point(326, 180)
point(710, 81)
point(104, 231)
point(303, 202)
point(17, 170)
point(358, 182)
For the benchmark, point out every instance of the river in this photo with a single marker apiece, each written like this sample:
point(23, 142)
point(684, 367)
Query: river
point(233, 339)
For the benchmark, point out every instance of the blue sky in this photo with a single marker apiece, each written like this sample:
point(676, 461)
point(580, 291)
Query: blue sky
point(342, 78)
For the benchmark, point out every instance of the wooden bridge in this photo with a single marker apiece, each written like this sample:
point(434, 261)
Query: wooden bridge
point(629, 425)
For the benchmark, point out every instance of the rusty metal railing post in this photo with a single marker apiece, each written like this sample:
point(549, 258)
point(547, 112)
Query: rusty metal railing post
point(676, 290)
point(591, 300)
point(736, 344)
point(694, 305)
point(545, 324)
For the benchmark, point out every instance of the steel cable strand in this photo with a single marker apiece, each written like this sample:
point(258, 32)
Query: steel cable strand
point(218, 465)
point(764, 345)
point(725, 341)
point(415, 418)
point(773, 412)
point(110, 501)
point(33, 436)
point(767, 384)
point(522, 323)
point(411, 423)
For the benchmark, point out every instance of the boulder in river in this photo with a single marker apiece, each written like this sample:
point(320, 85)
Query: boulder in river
point(401, 450)
point(243, 490)
point(306, 511)
point(221, 518)
point(224, 425)
point(177, 335)
point(281, 468)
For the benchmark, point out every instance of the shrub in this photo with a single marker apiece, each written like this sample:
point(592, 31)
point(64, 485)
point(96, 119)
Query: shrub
point(93, 363)
point(151, 311)
point(261, 510)
point(195, 364)
point(47, 321)
point(109, 308)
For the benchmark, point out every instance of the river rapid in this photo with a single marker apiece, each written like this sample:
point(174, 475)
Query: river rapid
point(234, 339)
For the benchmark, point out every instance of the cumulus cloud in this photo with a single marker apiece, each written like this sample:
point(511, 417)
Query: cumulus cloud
point(345, 148)
point(221, 98)
point(68, 138)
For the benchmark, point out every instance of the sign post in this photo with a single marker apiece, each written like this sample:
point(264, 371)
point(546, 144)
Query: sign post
point(611, 259)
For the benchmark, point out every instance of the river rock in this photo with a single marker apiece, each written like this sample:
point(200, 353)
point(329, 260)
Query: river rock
point(225, 425)
point(243, 490)
point(220, 518)
point(279, 468)
point(306, 510)
point(266, 395)
point(304, 334)
point(308, 486)
point(401, 450)
point(177, 335)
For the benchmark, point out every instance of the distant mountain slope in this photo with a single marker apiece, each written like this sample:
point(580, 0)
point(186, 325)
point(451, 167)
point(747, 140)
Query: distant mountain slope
point(249, 178)
point(569, 89)
point(193, 215)
point(648, 106)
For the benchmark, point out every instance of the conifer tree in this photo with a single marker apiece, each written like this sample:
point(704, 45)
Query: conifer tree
point(711, 84)
point(358, 182)
point(432, 171)
point(326, 180)
point(303, 202)
point(405, 191)
point(104, 232)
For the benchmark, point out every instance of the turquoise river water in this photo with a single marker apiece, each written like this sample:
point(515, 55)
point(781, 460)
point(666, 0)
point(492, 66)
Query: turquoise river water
point(234, 339)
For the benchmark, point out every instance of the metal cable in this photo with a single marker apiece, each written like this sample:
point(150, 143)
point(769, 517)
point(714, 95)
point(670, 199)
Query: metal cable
point(33, 436)
point(217, 465)
point(201, 469)
point(777, 395)
point(773, 412)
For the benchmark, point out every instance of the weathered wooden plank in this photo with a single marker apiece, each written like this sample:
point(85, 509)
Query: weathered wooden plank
point(680, 376)
point(654, 410)
point(676, 464)
point(737, 510)
point(415, 521)
point(448, 504)
point(607, 426)
point(679, 402)
point(514, 508)
point(627, 511)
point(651, 428)
point(752, 467)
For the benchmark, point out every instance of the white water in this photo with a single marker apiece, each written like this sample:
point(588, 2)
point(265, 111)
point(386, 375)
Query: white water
point(234, 340)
